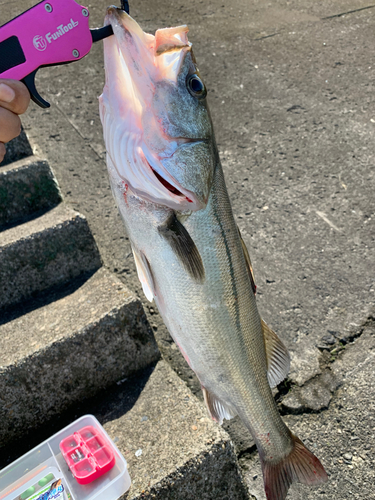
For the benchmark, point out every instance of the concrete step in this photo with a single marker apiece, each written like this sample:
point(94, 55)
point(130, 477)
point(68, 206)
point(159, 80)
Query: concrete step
point(17, 149)
point(173, 449)
point(68, 350)
point(26, 187)
point(47, 251)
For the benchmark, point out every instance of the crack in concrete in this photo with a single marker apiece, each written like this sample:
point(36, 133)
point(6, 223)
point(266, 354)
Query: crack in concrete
point(333, 16)
point(315, 395)
point(247, 453)
point(266, 36)
point(312, 397)
point(343, 341)
point(348, 12)
point(85, 139)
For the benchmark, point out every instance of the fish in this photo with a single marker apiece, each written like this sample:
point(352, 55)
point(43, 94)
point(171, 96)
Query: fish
point(168, 183)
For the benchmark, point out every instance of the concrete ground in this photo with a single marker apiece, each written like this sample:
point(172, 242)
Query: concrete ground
point(291, 95)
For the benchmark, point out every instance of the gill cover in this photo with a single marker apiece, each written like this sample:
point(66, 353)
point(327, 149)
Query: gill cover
point(158, 135)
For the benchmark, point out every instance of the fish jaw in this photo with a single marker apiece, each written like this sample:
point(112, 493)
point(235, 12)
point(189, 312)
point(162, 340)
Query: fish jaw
point(158, 137)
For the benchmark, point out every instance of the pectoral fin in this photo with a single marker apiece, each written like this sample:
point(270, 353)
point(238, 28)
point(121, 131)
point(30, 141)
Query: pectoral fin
point(144, 274)
point(278, 359)
point(183, 246)
point(248, 263)
point(218, 410)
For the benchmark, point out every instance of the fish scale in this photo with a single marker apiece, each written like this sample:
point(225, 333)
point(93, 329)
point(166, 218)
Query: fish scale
point(188, 250)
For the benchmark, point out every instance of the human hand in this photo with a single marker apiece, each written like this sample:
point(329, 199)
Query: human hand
point(14, 100)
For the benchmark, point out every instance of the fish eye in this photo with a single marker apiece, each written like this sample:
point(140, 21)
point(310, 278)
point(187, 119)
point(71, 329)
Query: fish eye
point(196, 86)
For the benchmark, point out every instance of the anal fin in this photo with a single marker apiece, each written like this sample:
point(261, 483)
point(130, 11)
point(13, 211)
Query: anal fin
point(278, 359)
point(217, 409)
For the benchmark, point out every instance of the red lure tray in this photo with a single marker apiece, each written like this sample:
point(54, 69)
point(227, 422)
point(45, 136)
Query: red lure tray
point(88, 454)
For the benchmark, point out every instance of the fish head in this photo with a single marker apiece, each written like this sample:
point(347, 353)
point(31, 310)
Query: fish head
point(156, 122)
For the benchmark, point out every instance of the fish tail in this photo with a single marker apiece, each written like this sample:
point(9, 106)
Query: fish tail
point(299, 466)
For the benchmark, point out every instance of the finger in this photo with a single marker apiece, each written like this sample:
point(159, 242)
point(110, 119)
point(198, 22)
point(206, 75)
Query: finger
point(10, 125)
point(14, 96)
point(2, 151)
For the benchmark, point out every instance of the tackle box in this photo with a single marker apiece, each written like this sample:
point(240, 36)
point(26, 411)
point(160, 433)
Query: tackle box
point(80, 462)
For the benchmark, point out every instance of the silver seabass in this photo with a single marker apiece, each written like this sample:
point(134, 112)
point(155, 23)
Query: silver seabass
point(168, 183)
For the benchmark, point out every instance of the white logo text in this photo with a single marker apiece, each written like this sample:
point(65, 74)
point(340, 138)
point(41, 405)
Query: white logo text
point(61, 30)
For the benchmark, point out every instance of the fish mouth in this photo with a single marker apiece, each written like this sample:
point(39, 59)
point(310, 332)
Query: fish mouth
point(131, 63)
point(165, 183)
point(172, 188)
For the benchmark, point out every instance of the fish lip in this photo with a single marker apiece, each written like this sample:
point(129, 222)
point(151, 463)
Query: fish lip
point(178, 191)
point(188, 139)
point(181, 193)
point(112, 9)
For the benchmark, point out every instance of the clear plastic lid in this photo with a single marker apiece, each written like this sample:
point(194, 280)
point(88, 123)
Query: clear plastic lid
point(78, 463)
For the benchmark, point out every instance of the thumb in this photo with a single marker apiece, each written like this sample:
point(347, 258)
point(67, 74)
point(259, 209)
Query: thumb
point(14, 96)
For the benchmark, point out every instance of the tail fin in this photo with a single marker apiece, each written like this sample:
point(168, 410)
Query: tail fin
point(299, 466)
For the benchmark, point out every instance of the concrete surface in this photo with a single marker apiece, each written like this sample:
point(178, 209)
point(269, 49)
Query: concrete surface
point(291, 94)
point(17, 149)
point(26, 187)
point(47, 251)
point(68, 350)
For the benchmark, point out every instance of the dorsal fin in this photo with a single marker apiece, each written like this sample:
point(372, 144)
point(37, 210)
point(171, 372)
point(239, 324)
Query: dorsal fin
point(218, 410)
point(144, 274)
point(278, 359)
point(248, 263)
